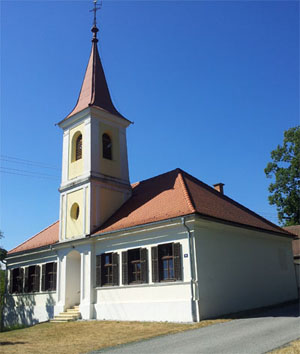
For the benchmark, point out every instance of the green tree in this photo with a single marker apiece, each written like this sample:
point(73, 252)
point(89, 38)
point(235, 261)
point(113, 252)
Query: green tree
point(3, 252)
point(285, 167)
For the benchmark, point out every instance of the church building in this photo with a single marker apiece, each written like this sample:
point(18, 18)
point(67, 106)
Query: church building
point(169, 248)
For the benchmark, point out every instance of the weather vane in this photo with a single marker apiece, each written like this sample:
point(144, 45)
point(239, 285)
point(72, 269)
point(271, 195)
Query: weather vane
point(95, 9)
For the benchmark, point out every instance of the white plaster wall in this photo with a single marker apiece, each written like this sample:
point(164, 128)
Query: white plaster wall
point(146, 302)
point(29, 308)
point(240, 269)
point(160, 302)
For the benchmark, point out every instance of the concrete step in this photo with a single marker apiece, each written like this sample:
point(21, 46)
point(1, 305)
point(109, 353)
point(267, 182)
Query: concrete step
point(71, 314)
point(64, 319)
point(66, 315)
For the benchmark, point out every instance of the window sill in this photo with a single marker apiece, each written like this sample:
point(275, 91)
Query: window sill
point(147, 285)
point(33, 294)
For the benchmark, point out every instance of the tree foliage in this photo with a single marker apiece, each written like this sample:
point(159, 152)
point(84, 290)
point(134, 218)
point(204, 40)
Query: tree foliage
point(285, 167)
point(3, 252)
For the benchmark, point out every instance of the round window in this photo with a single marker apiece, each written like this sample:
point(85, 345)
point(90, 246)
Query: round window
point(75, 211)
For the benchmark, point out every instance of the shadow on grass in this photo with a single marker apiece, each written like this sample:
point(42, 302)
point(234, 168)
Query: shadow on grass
point(12, 343)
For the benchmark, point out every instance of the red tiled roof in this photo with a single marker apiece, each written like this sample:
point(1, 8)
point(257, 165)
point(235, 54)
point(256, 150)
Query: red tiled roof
point(46, 237)
point(170, 195)
point(176, 193)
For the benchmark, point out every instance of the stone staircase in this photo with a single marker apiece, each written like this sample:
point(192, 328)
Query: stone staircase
point(71, 314)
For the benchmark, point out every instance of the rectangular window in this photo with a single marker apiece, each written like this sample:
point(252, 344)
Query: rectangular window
point(166, 262)
point(135, 266)
point(49, 271)
point(16, 280)
point(32, 279)
point(107, 269)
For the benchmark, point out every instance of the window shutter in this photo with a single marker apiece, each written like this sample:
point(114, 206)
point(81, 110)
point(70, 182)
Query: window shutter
point(98, 269)
point(144, 264)
point(21, 282)
point(177, 261)
point(26, 285)
point(115, 269)
point(154, 255)
point(44, 277)
point(36, 287)
point(11, 281)
point(125, 268)
point(54, 276)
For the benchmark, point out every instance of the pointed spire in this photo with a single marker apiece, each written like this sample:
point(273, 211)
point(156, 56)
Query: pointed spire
point(94, 90)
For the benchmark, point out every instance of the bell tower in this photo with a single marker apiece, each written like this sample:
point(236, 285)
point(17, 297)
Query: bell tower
point(95, 178)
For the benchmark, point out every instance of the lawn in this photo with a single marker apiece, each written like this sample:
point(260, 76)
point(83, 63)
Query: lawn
point(84, 336)
point(291, 348)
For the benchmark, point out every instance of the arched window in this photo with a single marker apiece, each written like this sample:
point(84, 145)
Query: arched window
point(78, 148)
point(107, 146)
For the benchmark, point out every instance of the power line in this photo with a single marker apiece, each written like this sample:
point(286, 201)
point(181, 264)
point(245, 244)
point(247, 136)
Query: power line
point(15, 171)
point(31, 172)
point(18, 160)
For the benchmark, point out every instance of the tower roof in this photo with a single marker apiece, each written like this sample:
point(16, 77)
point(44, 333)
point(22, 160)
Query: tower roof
point(94, 90)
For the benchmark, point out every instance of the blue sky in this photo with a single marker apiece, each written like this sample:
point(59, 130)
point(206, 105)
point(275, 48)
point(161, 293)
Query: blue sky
point(210, 85)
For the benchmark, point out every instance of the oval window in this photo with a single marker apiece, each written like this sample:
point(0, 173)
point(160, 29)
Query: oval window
point(75, 211)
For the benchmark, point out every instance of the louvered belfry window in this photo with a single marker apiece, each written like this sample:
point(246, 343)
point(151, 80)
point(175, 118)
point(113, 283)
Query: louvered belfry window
point(107, 146)
point(166, 262)
point(78, 148)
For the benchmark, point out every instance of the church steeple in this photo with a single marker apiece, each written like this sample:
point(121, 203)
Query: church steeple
point(95, 177)
point(94, 90)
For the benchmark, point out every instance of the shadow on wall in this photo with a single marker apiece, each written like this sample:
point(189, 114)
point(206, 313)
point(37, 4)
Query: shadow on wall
point(22, 309)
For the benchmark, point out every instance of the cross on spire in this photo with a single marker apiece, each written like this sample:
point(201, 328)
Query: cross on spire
point(95, 9)
point(95, 28)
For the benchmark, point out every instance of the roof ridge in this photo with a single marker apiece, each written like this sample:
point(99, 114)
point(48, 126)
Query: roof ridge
point(33, 236)
point(151, 178)
point(186, 193)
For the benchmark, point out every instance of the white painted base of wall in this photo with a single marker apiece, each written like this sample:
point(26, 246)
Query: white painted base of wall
point(28, 309)
point(86, 311)
point(58, 309)
point(172, 311)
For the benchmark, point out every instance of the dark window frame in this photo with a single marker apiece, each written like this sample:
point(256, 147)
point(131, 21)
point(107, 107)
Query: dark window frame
point(78, 147)
point(106, 146)
point(32, 279)
point(166, 262)
point(49, 276)
point(107, 269)
point(135, 266)
point(16, 280)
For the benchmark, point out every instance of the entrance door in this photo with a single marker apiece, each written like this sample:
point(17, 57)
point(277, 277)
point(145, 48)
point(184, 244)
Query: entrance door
point(73, 279)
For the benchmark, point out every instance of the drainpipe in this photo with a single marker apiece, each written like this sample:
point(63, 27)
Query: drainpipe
point(194, 282)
